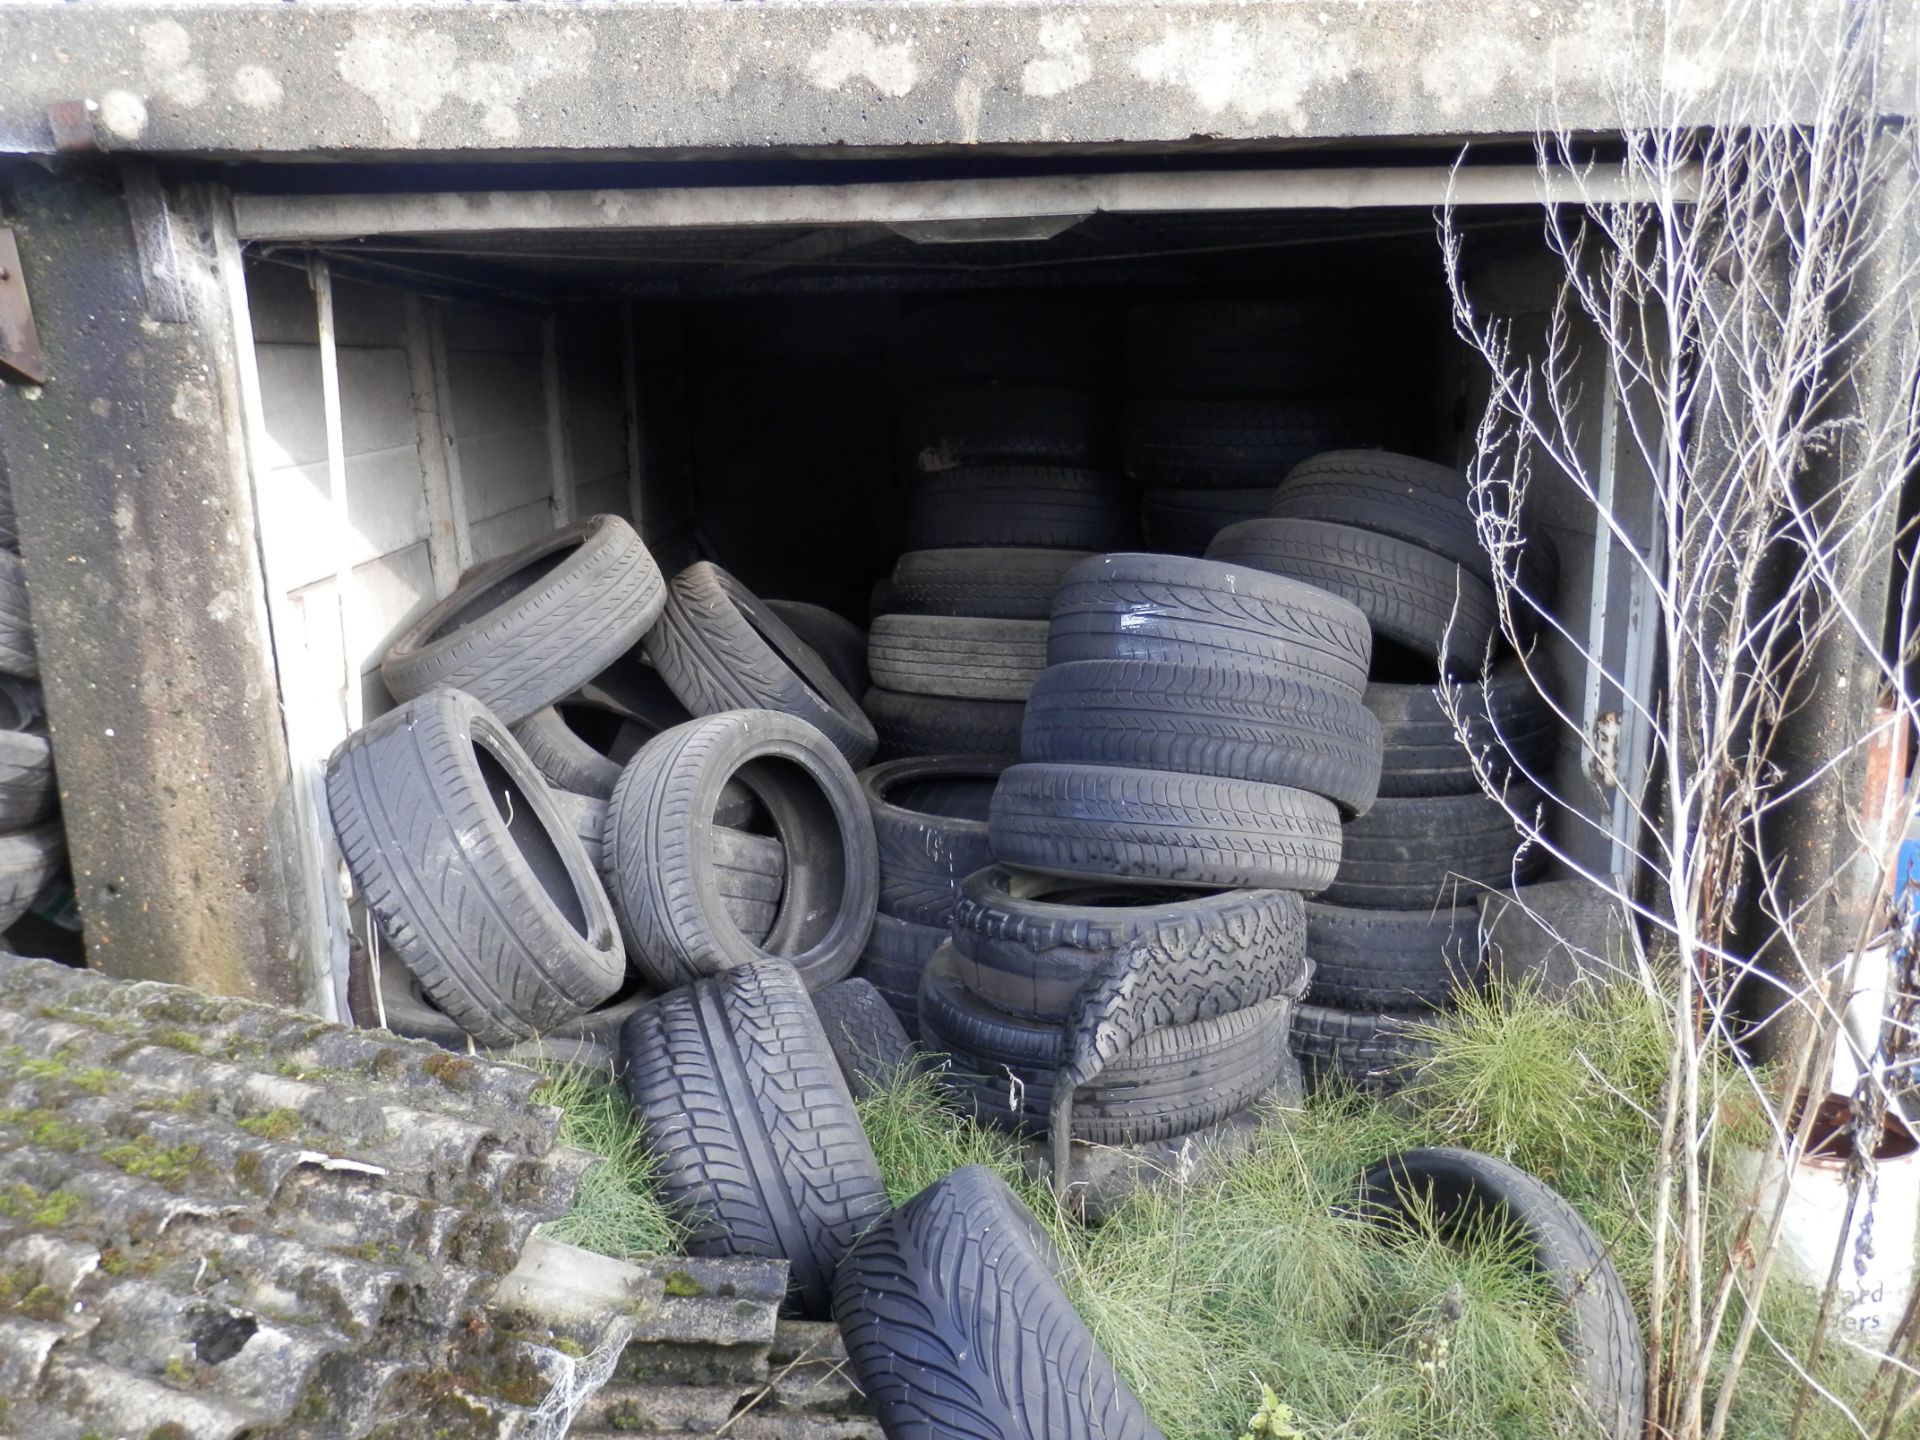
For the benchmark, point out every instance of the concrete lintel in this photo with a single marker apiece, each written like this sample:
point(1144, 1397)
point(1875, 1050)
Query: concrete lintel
point(266, 79)
point(911, 202)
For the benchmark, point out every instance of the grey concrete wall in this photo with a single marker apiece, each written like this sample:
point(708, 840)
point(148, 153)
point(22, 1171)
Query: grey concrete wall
point(271, 79)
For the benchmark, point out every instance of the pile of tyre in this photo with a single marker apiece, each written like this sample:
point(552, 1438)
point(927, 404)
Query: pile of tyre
point(535, 816)
point(33, 845)
point(1006, 455)
point(1396, 933)
point(1227, 395)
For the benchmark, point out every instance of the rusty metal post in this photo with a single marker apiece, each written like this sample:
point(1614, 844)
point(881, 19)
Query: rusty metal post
point(137, 527)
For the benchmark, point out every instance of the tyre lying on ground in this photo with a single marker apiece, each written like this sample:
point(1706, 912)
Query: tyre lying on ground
point(477, 881)
point(840, 644)
point(1365, 1050)
point(868, 1041)
point(666, 875)
point(745, 1110)
point(1393, 960)
point(955, 1323)
point(1461, 1191)
point(978, 423)
point(522, 631)
point(896, 954)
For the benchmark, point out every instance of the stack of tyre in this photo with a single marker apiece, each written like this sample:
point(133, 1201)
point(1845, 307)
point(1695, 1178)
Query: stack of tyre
point(1396, 934)
point(1006, 453)
point(1227, 395)
point(33, 846)
point(1127, 966)
point(598, 785)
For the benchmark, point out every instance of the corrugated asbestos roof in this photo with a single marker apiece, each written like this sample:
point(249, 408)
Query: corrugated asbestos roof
point(219, 1219)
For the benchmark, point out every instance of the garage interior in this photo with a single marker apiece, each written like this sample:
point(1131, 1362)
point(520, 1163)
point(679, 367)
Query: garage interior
point(729, 389)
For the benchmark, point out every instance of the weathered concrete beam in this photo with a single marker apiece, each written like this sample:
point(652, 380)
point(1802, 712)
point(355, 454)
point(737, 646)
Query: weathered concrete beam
point(262, 78)
point(137, 527)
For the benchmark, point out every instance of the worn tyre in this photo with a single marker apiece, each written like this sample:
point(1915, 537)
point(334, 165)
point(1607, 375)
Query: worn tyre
point(1406, 854)
point(930, 830)
point(662, 862)
point(18, 654)
point(1184, 522)
point(720, 648)
point(956, 1325)
point(1399, 495)
point(475, 879)
point(957, 656)
point(1099, 821)
point(840, 643)
point(1170, 1082)
point(26, 757)
point(1510, 726)
point(28, 860)
point(983, 424)
point(1361, 1050)
point(1206, 720)
point(990, 583)
point(896, 954)
point(759, 1149)
point(1408, 594)
point(869, 1043)
point(1393, 960)
point(410, 1012)
point(582, 742)
point(1233, 444)
point(530, 627)
point(1045, 507)
point(1461, 1192)
point(916, 725)
point(1031, 944)
point(1202, 612)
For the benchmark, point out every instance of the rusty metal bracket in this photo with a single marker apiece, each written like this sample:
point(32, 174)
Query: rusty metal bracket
point(72, 124)
point(21, 357)
point(153, 242)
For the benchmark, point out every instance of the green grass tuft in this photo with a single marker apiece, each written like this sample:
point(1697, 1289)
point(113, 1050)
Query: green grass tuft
point(618, 1210)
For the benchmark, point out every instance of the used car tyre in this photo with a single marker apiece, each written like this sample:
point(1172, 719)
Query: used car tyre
point(1393, 960)
point(1362, 1049)
point(1184, 522)
point(990, 582)
point(921, 725)
point(840, 644)
point(28, 860)
point(759, 1148)
point(1510, 726)
point(476, 881)
point(666, 872)
point(1235, 443)
point(524, 630)
point(956, 1324)
point(1434, 850)
point(720, 648)
point(896, 953)
point(18, 654)
point(868, 1040)
point(984, 424)
point(930, 830)
point(957, 656)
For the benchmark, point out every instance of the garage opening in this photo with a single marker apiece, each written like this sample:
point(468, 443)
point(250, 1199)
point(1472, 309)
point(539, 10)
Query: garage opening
point(432, 398)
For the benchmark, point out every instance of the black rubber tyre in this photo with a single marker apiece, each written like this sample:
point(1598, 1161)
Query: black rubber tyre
point(1232, 444)
point(1205, 720)
point(661, 859)
point(1410, 499)
point(18, 655)
point(1200, 612)
point(1031, 945)
point(868, 1041)
point(1393, 960)
point(1100, 821)
point(28, 860)
point(840, 643)
point(1041, 506)
point(930, 830)
point(759, 1149)
point(916, 725)
point(9, 522)
point(1508, 723)
point(750, 871)
point(1409, 594)
point(957, 656)
point(960, 425)
point(1363, 1050)
point(477, 882)
point(1172, 1081)
point(896, 954)
point(719, 648)
point(956, 1325)
point(1184, 522)
point(26, 757)
point(1414, 853)
point(1011, 339)
point(990, 583)
point(411, 1013)
point(583, 742)
point(530, 627)
point(1247, 346)
point(1463, 1190)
